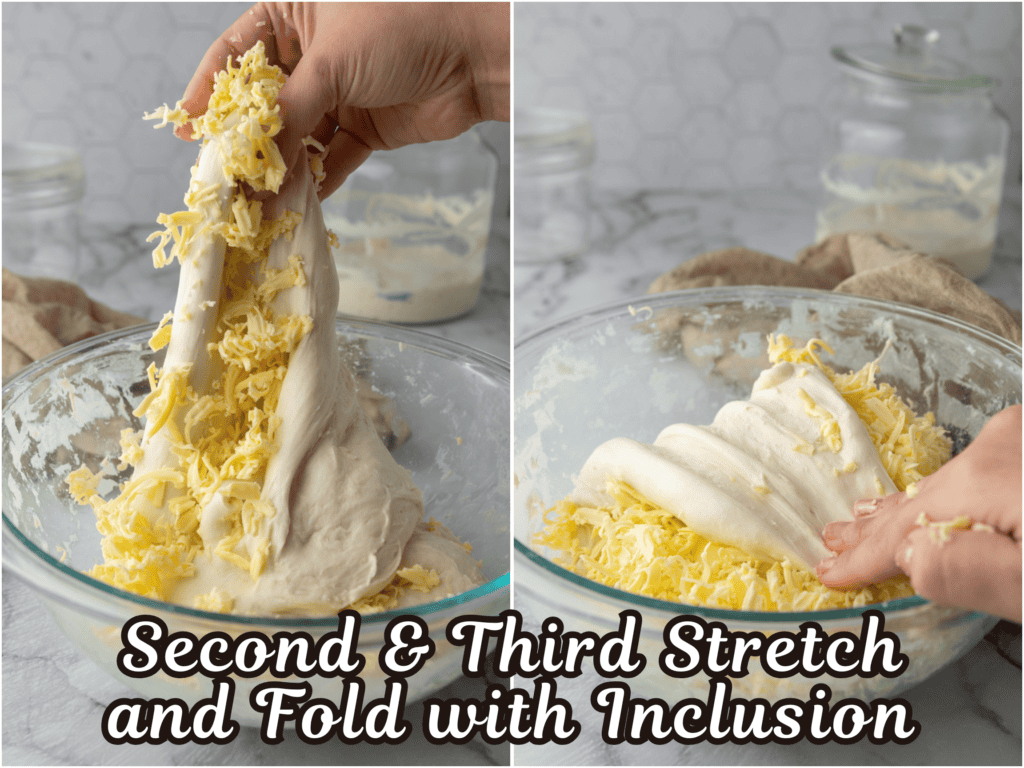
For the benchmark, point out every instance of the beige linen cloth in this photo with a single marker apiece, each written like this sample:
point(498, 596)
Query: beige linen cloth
point(872, 265)
point(41, 315)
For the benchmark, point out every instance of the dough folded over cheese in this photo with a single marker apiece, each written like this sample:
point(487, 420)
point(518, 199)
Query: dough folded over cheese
point(729, 515)
point(765, 476)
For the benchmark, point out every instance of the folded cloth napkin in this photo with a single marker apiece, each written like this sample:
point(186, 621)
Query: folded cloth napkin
point(866, 264)
point(41, 315)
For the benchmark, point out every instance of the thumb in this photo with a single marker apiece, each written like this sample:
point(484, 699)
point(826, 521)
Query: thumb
point(307, 96)
point(972, 569)
point(200, 88)
point(345, 154)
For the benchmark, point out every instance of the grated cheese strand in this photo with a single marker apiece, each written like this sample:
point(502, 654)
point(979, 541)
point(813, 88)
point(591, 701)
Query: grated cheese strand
point(941, 531)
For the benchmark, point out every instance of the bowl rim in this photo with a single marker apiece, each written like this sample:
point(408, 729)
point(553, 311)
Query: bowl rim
point(624, 599)
point(718, 294)
point(32, 561)
point(637, 304)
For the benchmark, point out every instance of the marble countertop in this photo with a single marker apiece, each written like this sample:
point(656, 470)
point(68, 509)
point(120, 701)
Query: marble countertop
point(640, 235)
point(53, 698)
point(970, 712)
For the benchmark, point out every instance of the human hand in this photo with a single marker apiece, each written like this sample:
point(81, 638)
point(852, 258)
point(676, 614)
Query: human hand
point(977, 568)
point(369, 76)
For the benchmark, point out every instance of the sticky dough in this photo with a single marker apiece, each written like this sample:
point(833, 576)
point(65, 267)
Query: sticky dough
point(304, 511)
point(344, 509)
point(765, 476)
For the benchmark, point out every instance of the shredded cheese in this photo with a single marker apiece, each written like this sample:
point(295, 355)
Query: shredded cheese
point(941, 531)
point(909, 446)
point(636, 546)
point(224, 438)
point(416, 578)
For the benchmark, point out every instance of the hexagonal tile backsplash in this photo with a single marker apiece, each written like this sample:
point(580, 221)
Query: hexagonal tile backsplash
point(83, 74)
point(731, 95)
point(681, 94)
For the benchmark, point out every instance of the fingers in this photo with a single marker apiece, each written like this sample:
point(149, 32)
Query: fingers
point(253, 25)
point(869, 516)
point(871, 561)
point(842, 536)
point(865, 507)
point(972, 569)
point(346, 153)
point(309, 94)
point(866, 546)
point(325, 130)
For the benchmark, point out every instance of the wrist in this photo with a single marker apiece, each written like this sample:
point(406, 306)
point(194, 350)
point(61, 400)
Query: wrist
point(488, 50)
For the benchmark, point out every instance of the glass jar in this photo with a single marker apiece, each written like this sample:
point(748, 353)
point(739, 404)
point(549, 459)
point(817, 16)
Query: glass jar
point(920, 151)
point(43, 190)
point(554, 153)
point(412, 227)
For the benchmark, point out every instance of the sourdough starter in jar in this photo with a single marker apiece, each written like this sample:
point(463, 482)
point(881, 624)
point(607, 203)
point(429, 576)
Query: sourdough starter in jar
point(920, 151)
point(943, 209)
point(412, 227)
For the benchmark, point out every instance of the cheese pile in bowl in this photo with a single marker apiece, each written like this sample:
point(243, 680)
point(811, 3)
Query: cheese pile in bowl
point(730, 515)
point(260, 486)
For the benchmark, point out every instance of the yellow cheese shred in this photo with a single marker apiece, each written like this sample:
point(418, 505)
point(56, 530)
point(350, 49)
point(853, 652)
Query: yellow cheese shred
point(636, 546)
point(417, 578)
point(941, 531)
point(910, 447)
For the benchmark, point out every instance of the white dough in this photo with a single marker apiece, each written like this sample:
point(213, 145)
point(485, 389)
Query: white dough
point(344, 509)
point(760, 477)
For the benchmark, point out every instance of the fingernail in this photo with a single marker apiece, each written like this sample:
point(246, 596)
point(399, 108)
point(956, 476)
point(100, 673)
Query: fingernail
point(825, 565)
point(865, 507)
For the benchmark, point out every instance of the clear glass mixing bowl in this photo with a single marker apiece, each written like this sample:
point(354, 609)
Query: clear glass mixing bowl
point(633, 368)
point(69, 408)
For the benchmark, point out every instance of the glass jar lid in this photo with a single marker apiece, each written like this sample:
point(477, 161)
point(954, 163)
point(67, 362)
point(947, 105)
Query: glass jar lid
point(912, 62)
point(41, 176)
point(552, 141)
